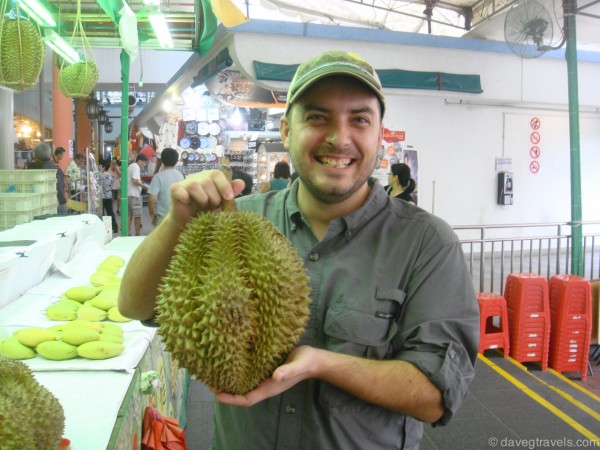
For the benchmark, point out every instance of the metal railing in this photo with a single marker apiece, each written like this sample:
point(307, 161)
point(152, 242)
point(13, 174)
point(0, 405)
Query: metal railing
point(494, 251)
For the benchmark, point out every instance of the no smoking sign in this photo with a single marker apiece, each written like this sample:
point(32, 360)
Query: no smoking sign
point(534, 167)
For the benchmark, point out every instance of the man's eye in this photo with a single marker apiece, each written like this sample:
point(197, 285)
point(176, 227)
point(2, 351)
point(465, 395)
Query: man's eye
point(315, 117)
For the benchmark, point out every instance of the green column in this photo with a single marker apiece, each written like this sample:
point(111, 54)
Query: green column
point(576, 215)
point(124, 140)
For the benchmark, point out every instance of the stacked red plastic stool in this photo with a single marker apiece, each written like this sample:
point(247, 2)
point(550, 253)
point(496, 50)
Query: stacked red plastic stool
point(571, 315)
point(491, 335)
point(527, 301)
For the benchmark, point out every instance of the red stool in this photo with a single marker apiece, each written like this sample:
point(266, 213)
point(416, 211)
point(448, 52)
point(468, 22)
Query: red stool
point(491, 336)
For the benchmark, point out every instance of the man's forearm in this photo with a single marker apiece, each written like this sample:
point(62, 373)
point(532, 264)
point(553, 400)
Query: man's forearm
point(393, 384)
point(139, 288)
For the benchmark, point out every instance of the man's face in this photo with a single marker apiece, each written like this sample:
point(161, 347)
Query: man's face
point(333, 133)
point(79, 162)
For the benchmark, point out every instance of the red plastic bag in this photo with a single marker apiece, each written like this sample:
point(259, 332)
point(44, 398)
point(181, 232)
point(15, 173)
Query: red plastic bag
point(161, 433)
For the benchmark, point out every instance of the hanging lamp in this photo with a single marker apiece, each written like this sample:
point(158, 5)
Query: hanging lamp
point(79, 79)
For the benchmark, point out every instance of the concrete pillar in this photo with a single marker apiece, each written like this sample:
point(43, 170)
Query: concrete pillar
point(7, 132)
point(62, 117)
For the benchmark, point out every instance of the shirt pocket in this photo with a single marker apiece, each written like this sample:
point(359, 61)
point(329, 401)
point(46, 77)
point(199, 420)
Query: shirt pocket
point(364, 328)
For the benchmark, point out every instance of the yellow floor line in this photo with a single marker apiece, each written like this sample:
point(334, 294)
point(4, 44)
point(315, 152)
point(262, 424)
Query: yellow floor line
point(546, 404)
point(559, 375)
point(563, 394)
point(575, 385)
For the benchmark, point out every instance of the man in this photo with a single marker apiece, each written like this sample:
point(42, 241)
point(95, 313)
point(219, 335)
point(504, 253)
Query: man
point(43, 155)
point(393, 335)
point(159, 194)
point(134, 192)
point(75, 175)
point(59, 154)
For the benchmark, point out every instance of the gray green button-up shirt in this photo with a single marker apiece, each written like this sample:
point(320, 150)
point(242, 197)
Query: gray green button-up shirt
point(388, 281)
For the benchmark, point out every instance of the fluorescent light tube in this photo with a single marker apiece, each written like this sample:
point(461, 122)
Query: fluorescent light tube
point(161, 29)
point(61, 47)
point(37, 12)
point(152, 2)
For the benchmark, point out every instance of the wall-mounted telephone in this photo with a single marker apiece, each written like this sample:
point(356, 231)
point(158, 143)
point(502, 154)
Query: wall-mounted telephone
point(505, 188)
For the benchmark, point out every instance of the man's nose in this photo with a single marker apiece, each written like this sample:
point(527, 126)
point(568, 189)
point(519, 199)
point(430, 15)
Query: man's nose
point(339, 134)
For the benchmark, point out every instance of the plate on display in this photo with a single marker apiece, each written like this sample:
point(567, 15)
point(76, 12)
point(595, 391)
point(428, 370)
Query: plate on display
point(201, 157)
point(214, 128)
point(212, 141)
point(203, 128)
point(185, 142)
point(191, 128)
point(203, 142)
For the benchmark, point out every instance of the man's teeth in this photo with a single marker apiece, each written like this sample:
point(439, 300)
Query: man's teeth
point(335, 162)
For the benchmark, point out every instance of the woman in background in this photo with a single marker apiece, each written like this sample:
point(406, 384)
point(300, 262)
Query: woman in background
point(401, 185)
point(281, 177)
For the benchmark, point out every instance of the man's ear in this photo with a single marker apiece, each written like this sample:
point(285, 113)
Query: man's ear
point(284, 131)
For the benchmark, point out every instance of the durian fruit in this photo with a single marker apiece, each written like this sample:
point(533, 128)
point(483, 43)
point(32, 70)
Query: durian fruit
point(234, 301)
point(22, 53)
point(78, 80)
point(31, 418)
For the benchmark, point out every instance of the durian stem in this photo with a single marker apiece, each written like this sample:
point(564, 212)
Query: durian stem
point(228, 205)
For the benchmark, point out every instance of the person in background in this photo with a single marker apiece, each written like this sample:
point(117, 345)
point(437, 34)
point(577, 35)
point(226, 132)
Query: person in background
point(106, 183)
point(134, 192)
point(59, 154)
point(401, 185)
point(43, 156)
point(292, 178)
point(394, 329)
point(281, 176)
point(159, 195)
point(115, 173)
point(247, 178)
point(74, 175)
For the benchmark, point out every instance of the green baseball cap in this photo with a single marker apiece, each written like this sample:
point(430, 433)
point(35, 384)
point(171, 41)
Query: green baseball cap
point(329, 64)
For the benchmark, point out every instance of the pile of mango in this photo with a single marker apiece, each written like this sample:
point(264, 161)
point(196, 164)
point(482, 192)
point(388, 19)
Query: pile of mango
point(93, 302)
point(79, 338)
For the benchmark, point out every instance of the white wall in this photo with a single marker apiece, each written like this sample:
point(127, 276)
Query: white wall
point(458, 142)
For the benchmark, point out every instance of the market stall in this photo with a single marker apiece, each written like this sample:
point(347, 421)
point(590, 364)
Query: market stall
point(103, 400)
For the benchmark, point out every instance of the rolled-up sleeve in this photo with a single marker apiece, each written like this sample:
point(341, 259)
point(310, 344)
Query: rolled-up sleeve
point(439, 327)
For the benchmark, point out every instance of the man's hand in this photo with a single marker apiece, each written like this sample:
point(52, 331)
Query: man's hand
point(201, 192)
point(298, 367)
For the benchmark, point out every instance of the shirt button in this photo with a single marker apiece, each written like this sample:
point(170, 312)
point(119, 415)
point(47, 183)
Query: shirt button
point(348, 234)
point(452, 354)
point(290, 409)
point(313, 256)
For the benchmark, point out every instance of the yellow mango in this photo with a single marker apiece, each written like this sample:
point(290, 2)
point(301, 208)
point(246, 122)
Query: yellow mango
point(57, 350)
point(66, 301)
point(79, 335)
point(33, 336)
point(83, 324)
point(102, 278)
point(114, 260)
point(111, 328)
point(11, 348)
point(108, 268)
point(106, 337)
point(60, 312)
point(100, 350)
point(82, 293)
point(116, 316)
point(91, 313)
point(105, 300)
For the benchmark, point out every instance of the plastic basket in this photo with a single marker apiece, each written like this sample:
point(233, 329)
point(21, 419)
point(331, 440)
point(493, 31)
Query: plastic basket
point(27, 187)
point(28, 176)
point(14, 202)
point(48, 199)
point(9, 220)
